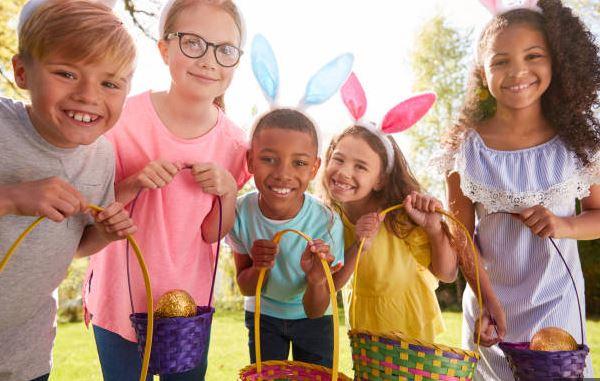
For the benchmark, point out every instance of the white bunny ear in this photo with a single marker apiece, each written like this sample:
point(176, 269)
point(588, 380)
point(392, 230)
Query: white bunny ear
point(327, 80)
point(492, 5)
point(26, 12)
point(264, 67)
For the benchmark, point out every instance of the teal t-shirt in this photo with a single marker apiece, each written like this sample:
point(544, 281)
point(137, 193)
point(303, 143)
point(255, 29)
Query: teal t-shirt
point(282, 294)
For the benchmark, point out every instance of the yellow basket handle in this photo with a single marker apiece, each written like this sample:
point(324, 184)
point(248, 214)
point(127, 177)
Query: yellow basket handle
point(473, 248)
point(332, 294)
point(138, 254)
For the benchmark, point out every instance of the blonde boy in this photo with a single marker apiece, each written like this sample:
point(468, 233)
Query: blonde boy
point(75, 59)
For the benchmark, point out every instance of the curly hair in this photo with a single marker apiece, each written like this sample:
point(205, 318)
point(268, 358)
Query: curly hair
point(398, 183)
point(569, 101)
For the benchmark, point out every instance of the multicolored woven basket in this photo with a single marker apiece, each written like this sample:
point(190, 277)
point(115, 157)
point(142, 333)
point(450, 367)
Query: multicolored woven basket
point(395, 356)
point(529, 365)
point(276, 370)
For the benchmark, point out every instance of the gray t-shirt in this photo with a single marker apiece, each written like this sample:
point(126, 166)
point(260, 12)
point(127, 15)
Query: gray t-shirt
point(28, 284)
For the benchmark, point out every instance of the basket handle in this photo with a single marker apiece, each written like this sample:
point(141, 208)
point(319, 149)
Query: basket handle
point(332, 293)
point(140, 258)
point(562, 258)
point(473, 248)
point(214, 274)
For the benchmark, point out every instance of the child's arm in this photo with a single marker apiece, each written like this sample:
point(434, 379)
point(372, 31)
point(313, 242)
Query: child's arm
point(112, 224)
point(52, 198)
point(462, 208)
point(367, 227)
point(218, 181)
point(156, 174)
point(585, 226)
point(316, 297)
point(247, 267)
point(421, 209)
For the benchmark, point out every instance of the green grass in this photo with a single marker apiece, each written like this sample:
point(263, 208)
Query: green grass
point(75, 355)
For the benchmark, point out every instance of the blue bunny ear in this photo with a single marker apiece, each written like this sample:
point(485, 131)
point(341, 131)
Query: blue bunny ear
point(327, 80)
point(264, 66)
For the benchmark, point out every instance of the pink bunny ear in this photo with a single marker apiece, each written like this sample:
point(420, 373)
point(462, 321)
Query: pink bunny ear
point(407, 113)
point(354, 97)
point(492, 5)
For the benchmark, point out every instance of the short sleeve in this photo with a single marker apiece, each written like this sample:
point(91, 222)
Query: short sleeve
point(234, 238)
point(418, 242)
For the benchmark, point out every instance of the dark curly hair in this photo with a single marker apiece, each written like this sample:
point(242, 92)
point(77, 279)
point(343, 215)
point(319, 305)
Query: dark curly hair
point(397, 184)
point(569, 101)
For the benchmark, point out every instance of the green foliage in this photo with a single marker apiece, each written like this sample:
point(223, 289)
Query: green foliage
point(438, 62)
point(9, 10)
point(69, 292)
point(589, 252)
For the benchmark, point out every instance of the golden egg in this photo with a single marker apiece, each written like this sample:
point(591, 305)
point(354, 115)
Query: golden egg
point(552, 339)
point(175, 303)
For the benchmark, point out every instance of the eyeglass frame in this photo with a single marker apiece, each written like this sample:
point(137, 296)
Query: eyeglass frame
point(172, 35)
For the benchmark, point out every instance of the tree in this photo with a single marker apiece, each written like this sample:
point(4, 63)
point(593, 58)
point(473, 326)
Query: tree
point(9, 10)
point(438, 62)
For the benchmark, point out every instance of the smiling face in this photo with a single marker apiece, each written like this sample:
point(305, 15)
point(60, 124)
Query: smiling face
point(201, 77)
point(283, 163)
point(71, 103)
point(353, 171)
point(517, 67)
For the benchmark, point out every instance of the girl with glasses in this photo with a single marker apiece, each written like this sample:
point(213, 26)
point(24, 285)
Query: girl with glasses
point(159, 137)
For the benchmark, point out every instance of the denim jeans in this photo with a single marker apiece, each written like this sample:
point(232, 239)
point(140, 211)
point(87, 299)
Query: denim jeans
point(121, 361)
point(311, 339)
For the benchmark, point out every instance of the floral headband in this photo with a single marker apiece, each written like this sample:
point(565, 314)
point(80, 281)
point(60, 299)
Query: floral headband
point(400, 118)
point(497, 7)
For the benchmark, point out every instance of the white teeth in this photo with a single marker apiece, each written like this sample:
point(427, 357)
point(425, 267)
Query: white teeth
point(281, 191)
point(342, 185)
point(518, 87)
point(82, 117)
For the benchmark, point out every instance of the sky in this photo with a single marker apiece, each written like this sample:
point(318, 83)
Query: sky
point(307, 34)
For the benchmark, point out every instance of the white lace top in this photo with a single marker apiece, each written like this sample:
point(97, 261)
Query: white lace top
point(526, 272)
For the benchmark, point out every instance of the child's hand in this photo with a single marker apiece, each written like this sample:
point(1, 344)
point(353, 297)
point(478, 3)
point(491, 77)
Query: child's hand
point(421, 209)
point(114, 222)
point(543, 222)
point(214, 179)
point(367, 227)
point(493, 324)
point(157, 174)
point(263, 253)
point(310, 262)
point(53, 198)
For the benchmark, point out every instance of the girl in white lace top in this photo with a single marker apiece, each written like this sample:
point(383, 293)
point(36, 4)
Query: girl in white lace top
point(525, 148)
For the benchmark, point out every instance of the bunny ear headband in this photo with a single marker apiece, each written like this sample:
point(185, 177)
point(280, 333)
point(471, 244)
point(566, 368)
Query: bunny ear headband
point(400, 118)
point(319, 88)
point(32, 5)
point(497, 7)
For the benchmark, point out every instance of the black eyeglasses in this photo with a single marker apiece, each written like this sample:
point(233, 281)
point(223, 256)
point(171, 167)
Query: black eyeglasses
point(194, 46)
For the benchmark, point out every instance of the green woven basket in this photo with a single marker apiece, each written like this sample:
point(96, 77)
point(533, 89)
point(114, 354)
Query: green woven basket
point(397, 357)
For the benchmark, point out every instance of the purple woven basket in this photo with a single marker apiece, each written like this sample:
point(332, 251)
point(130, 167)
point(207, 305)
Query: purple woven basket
point(530, 365)
point(178, 343)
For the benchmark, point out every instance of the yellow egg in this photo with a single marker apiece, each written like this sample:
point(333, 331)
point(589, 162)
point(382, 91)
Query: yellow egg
point(552, 339)
point(175, 303)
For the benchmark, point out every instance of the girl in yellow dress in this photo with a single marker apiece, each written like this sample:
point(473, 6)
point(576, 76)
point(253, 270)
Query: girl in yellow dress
point(406, 252)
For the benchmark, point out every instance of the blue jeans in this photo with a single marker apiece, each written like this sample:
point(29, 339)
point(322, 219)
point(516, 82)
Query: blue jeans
point(121, 361)
point(311, 339)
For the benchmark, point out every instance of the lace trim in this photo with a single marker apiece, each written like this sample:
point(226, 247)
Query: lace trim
point(495, 200)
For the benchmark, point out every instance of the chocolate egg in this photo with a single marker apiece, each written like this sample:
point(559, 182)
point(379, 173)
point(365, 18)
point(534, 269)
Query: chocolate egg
point(552, 339)
point(175, 303)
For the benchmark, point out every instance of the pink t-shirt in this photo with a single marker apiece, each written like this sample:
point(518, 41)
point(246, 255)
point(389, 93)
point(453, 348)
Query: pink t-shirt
point(169, 219)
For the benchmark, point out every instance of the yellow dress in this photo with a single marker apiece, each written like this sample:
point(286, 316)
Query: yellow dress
point(395, 289)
